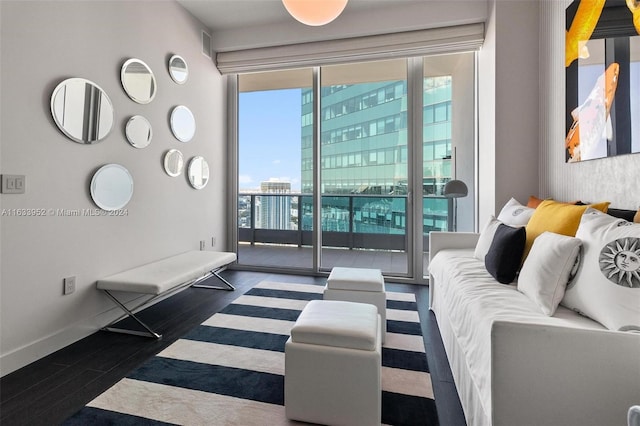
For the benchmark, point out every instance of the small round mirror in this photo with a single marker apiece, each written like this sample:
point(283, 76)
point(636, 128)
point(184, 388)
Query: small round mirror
point(198, 172)
point(138, 81)
point(183, 124)
point(173, 162)
point(178, 69)
point(111, 187)
point(138, 131)
point(82, 110)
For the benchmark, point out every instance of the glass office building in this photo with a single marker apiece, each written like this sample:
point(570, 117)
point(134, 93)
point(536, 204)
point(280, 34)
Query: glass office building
point(363, 137)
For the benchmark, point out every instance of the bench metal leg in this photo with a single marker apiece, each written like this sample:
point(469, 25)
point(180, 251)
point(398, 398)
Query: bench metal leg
point(148, 333)
point(227, 285)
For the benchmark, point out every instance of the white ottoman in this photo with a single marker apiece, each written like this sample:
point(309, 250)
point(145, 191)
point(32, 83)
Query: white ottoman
point(332, 365)
point(359, 285)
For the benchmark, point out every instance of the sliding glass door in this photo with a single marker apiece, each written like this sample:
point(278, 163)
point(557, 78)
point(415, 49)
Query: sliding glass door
point(363, 166)
point(346, 165)
point(274, 215)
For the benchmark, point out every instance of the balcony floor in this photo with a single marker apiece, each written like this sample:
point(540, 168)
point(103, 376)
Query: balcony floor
point(293, 257)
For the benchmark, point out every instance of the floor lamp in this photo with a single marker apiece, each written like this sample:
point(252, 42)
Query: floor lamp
point(455, 189)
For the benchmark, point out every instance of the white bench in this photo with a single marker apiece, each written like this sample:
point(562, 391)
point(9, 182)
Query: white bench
point(163, 278)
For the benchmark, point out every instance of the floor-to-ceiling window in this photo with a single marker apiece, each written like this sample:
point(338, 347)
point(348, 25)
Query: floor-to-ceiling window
point(364, 168)
point(448, 142)
point(274, 108)
point(355, 153)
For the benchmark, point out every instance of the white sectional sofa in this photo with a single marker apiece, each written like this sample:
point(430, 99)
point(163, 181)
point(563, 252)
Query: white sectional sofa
point(515, 366)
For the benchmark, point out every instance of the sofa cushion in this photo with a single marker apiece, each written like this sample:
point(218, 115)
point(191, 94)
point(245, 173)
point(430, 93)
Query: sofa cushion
point(627, 215)
point(505, 253)
point(515, 214)
point(486, 238)
point(560, 218)
point(607, 286)
point(547, 270)
point(535, 201)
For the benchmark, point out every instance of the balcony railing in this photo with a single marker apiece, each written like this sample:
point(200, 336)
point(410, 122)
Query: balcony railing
point(354, 221)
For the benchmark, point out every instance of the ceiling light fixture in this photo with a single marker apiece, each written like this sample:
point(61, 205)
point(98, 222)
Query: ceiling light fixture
point(315, 12)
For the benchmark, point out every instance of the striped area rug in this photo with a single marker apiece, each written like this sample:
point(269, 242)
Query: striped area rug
point(230, 369)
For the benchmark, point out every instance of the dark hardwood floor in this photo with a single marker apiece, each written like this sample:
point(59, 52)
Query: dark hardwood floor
point(51, 389)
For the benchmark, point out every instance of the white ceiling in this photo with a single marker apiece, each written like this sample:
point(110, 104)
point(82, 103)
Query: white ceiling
point(232, 14)
point(248, 24)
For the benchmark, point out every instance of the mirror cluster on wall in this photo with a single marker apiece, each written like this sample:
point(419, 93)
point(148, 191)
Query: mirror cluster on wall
point(84, 113)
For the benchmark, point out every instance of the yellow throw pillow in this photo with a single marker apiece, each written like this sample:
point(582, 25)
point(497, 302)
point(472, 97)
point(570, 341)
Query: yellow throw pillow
point(636, 218)
point(560, 218)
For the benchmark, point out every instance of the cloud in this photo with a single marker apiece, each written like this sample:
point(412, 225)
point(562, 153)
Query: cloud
point(280, 179)
point(276, 162)
point(244, 179)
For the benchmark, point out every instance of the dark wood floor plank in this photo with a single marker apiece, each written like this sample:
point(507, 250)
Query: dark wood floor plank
point(447, 401)
point(50, 390)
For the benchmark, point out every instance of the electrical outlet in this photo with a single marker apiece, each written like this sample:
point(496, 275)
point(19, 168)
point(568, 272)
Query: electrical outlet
point(69, 285)
point(213, 241)
point(202, 244)
point(13, 184)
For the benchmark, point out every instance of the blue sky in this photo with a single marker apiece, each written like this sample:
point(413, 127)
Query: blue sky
point(269, 137)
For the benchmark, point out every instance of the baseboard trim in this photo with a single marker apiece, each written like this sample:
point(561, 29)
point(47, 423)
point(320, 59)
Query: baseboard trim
point(27, 354)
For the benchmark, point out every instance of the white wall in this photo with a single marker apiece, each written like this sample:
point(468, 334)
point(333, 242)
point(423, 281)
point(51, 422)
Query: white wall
point(42, 44)
point(508, 106)
point(612, 179)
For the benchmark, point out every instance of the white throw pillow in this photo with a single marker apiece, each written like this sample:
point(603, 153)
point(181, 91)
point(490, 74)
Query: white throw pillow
point(485, 239)
point(515, 214)
point(546, 271)
point(607, 286)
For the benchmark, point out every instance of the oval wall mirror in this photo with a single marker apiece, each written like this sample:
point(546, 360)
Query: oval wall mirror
point(173, 162)
point(138, 131)
point(138, 81)
point(82, 110)
point(183, 124)
point(111, 187)
point(198, 172)
point(178, 69)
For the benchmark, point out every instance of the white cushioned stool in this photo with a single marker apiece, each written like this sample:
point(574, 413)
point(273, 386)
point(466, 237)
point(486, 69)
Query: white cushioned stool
point(332, 365)
point(359, 285)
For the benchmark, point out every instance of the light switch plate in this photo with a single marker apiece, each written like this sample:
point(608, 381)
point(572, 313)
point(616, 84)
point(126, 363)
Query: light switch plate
point(13, 184)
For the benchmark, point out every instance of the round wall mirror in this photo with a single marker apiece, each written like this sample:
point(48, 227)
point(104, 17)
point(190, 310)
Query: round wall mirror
point(138, 131)
point(82, 110)
point(178, 69)
point(111, 187)
point(138, 81)
point(198, 172)
point(183, 124)
point(173, 162)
